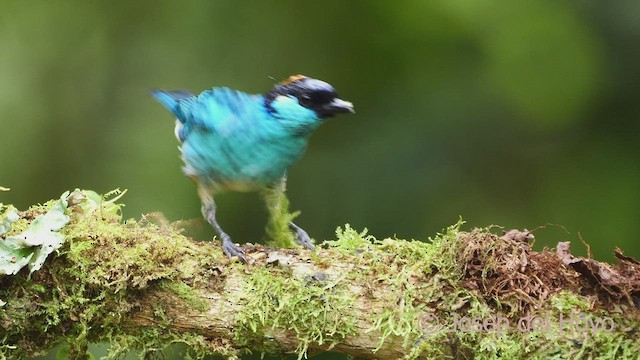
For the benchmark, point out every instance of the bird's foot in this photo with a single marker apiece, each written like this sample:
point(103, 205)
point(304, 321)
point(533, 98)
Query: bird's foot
point(230, 249)
point(302, 238)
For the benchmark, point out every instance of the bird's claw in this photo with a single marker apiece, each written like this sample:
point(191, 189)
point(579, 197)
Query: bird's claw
point(302, 238)
point(230, 250)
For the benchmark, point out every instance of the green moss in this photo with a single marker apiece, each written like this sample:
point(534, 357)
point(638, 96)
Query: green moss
point(154, 343)
point(565, 301)
point(315, 311)
point(105, 265)
point(350, 241)
point(404, 269)
point(278, 231)
point(92, 282)
point(580, 340)
point(186, 293)
point(418, 277)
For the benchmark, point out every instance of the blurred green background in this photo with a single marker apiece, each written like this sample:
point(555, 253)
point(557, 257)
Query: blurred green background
point(511, 113)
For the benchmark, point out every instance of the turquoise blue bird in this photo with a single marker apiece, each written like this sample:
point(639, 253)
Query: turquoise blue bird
point(231, 140)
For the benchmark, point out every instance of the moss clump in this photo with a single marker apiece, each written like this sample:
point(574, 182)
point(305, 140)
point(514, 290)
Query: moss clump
point(84, 293)
point(455, 276)
point(155, 343)
point(278, 231)
point(400, 276)
point(186, 293)
point(315, 311)
point(350, 241)
point(429, 284)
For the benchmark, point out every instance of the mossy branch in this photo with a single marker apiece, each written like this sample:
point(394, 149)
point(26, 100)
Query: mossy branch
point(143, 285)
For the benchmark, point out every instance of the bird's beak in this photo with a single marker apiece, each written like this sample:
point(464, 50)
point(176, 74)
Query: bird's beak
point(338, 106)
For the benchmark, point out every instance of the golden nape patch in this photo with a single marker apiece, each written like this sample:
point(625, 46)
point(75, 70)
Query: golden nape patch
point(292, 78)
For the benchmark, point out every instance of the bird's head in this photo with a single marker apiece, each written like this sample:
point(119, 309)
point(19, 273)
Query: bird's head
point(301, 97)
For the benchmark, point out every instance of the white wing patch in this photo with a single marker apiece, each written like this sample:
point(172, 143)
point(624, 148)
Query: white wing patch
point(177, 130)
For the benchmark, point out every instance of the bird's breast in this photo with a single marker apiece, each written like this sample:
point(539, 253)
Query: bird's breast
point(241, 160)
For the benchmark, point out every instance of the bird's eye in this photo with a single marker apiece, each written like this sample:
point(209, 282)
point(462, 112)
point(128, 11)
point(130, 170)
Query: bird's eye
point(314, 99)
point(305, 100)
point(321, 97)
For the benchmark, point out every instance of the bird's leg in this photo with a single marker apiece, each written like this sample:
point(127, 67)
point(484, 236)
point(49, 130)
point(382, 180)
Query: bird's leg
point(209, 212)
point(280, 220)
point(302, 238)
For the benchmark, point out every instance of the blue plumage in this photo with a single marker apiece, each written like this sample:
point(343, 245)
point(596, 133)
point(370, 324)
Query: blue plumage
point(241, 142)
point(171, 99)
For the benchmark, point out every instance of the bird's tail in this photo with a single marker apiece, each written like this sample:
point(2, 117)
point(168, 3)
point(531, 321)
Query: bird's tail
point(170, 99)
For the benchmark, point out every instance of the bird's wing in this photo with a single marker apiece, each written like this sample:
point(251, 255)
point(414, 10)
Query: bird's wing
point(171, 99)
point(219, 109)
